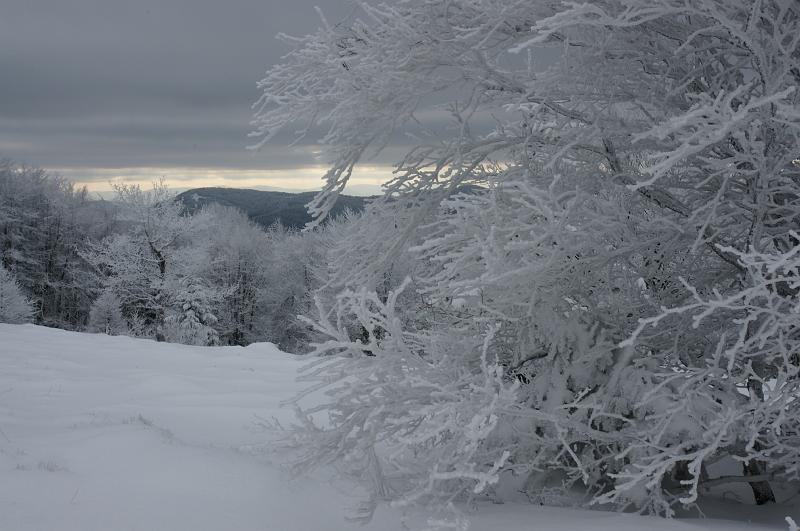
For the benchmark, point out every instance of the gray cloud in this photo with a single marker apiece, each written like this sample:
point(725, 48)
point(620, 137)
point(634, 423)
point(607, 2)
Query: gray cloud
point(151, 83)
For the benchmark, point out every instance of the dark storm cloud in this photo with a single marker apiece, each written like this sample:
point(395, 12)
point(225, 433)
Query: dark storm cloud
point(100, 83)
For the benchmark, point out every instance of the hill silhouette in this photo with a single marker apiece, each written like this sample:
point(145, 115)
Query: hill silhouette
point(265, 207)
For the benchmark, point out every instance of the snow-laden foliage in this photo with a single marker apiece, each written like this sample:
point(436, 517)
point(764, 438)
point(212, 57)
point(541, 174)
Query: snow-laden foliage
point(627, 257)
point(105, 315)
point(423, 409)
point(14, 306)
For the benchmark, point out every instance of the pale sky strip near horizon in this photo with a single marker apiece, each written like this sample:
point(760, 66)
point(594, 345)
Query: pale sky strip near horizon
point(365, 180)
point(110, 90)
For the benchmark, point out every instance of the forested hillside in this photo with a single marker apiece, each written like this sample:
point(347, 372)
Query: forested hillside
point(265, 207)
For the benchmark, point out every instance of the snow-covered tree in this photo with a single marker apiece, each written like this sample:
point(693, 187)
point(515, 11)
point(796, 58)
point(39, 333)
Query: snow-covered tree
point(43, 223)
point(142, 265)
point(613, 303)
point(293, 266)
point(191, 318)
point(105, 315)
point(235, 260)
point(15, 308)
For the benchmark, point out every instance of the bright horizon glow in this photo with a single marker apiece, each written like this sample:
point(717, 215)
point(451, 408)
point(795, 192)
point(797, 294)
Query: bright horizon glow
point(366, 179)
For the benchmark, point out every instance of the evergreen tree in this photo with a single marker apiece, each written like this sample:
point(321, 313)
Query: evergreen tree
point(191, 319)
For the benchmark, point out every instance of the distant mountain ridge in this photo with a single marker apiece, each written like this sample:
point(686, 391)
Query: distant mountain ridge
point(265, 207)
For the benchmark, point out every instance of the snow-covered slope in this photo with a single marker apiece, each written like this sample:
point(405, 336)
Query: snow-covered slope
point(112, 433)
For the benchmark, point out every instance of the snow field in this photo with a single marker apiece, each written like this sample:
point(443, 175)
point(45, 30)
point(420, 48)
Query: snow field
point(113, 433)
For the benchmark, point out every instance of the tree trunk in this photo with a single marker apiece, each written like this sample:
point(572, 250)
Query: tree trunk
point(762, 491)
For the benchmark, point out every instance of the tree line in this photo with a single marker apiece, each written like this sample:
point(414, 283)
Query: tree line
point(139, 265)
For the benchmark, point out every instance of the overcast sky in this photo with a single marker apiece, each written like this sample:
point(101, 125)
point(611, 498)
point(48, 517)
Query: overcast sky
point(137, 89)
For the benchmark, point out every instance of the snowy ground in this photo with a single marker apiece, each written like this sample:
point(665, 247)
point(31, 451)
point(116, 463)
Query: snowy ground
point(111, 433)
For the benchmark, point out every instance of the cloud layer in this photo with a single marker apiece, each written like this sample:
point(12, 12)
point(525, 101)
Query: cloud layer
point(96, 85)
